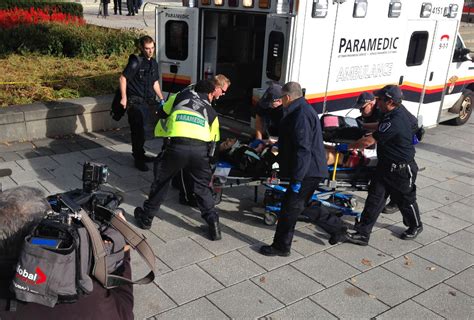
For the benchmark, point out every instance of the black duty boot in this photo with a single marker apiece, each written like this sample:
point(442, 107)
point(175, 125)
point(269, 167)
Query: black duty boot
point(271, 251)
point(357, 238)
point(390, 208)
point(214, 231)
point(411, 233)
point(142, 221)
point(140, 165)
point(149, 158)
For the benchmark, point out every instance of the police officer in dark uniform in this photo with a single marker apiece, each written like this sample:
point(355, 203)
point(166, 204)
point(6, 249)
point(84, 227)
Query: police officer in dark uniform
point(269, 113)
point(139, 87)
point(302, 159)
point(191, 130)
point(396, 168)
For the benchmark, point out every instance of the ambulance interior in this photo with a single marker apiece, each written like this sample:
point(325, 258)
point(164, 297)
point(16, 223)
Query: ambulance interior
point(233, 45)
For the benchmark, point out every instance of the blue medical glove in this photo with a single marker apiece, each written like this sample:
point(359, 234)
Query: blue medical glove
point(342, 147)
point(161, 103)
point(295, 187)
point(255, 143)
point(414, 140)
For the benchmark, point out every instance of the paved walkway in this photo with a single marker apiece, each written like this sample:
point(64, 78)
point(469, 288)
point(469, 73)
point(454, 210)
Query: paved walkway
point(429, 278)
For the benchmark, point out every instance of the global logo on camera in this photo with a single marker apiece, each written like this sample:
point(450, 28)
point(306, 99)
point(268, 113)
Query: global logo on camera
point(37, 277)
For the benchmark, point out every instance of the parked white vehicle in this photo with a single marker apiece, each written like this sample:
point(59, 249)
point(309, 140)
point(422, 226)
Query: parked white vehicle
point(335, 48)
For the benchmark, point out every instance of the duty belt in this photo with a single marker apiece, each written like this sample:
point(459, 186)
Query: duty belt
point(187, 141)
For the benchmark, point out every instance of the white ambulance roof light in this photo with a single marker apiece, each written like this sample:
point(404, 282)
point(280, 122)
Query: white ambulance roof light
point(426, 10)
point(394, 9)
point(451, 11)
point(360, 9)
point(218, 2)
point(320, 9)
point(247, 3)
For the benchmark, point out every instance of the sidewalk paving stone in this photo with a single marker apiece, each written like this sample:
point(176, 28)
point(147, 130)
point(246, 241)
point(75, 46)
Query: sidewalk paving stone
point(429, 234)
point(468, 200)
point(386, 286)
point(425, 205)
point(150, 300)
point(468, 179)
point(316, 267)
point(421, 272)
point(231, 240)
point(462, 240)
point(423, 182)
point(245, 300)
point(310, 240)
point(181, 252)
point(360, 257)
point(231, 268)
point(187, 284)
point(446, 256)
point(409, 310)
point(171, 228)
point(459, 210)
point(7, 183)
point(127, 183)
point(200, 309)
point(24, 177)
point(10, 156)
point(12, 165)
point(463, 281)
point(346, 301)
point(443, 221)
point(304, 309)
point(447, 302)
point(389, 242)
point(59, 185)
point(457, 187)
point(140, 269)
point(76, 157)
point(45, 162)
point(287, 284)
point(470, 229)
point(99, 152)
point(268, 263)
point(439, 195)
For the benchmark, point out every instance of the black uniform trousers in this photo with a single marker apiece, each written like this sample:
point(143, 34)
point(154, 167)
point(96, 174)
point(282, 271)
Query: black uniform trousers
point(194, 159)
point(293, 205)
point(138, 115)
point(398, 181)
point(118, 3)
point(183, 182)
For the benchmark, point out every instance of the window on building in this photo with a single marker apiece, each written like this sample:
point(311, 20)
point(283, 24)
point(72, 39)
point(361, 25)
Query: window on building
point(176, 40)
point(275, 55)
point(417, 48)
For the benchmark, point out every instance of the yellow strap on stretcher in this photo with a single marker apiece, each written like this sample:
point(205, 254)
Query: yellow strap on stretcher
point(335, 167)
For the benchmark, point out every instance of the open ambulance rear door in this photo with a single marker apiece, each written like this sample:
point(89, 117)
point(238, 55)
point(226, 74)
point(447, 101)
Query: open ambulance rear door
point(177, 31)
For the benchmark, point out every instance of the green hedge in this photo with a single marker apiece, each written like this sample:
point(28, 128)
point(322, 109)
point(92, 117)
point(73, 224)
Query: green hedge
point(71, 8)
point(85, 41)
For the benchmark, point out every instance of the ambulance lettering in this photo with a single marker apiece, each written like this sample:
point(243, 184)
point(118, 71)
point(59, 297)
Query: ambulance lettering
point(177, 15)
point(367, 45)
point(367, 71)
point(444, 42)
point(38, 277)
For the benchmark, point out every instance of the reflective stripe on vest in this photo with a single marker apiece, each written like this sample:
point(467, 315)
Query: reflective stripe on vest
point(185, 124)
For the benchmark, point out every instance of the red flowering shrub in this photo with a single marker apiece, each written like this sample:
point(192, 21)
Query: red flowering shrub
point(13, 17)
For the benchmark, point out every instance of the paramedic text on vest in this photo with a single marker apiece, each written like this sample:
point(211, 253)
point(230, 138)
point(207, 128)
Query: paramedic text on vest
point(396, 168)
point(191, 128)
point(139, 87)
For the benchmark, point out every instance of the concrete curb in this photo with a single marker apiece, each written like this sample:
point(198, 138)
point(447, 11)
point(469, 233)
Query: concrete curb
point(56, 118)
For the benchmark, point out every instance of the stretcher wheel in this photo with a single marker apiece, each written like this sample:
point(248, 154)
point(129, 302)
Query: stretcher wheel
point(270, 218)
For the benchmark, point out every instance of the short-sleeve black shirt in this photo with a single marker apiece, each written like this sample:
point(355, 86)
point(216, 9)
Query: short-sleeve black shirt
point(141, 77)
point(394, 137)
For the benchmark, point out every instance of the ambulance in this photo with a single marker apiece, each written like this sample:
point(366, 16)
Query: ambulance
point(335, 49)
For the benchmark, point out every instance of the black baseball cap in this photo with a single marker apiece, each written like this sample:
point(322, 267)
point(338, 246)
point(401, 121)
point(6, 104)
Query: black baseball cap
point(362, 99)
point(272, 93)
point(390, 91)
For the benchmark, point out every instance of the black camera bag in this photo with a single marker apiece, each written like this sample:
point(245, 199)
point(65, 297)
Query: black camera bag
point(48, 276)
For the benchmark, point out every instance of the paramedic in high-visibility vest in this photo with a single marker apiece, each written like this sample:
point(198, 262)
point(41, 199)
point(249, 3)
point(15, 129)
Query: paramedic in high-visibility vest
point(191, 131)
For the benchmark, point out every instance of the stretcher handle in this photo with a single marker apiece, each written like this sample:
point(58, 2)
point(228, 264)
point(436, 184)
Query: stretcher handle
point(335, 167)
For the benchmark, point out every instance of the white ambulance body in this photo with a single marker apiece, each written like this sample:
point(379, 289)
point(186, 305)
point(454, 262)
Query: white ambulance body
point(335, 49)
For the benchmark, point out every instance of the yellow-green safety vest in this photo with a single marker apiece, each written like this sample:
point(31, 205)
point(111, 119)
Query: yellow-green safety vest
point(186, 124)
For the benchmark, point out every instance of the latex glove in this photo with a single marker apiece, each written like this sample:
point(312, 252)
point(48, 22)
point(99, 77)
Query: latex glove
point(342, 147)
point(255, 143)
point(161, 103)
point(414, 140)
point(295, 187)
